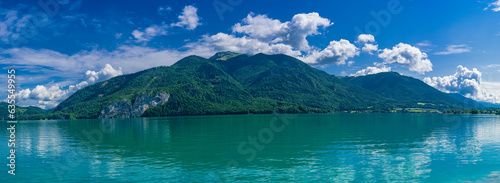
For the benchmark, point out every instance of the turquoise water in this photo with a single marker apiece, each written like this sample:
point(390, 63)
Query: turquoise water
point(281, 148)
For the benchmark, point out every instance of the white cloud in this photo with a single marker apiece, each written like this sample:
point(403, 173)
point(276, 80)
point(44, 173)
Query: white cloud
point(350, 63)
point(271, 36)
point(149, 33)
point(466, 82)
point(455, 49)
point(492, 87)
point(371, 70)
point(424, 44)
point(261, 27)
point(365, 38)
point(225, 42)
point(369, 48)
point(51, 95)
point(104, 74)
point(336, 53)
point(293, 33)
point(496, 6)
point(303, 25)
point(493, 65)
point(130, 58)
point(11, 24)
point(407, 55)
point(189, 18)
point(8, 19)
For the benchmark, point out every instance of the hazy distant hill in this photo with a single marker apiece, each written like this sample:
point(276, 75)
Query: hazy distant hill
point(472, 102)
point(20, 111)
point(406, 90)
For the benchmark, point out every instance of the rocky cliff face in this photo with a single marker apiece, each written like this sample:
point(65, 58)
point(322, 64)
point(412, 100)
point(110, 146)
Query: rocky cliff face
point(125, 108)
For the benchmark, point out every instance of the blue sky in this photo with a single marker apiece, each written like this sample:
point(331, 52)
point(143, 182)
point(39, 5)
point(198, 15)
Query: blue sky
point(60, 46)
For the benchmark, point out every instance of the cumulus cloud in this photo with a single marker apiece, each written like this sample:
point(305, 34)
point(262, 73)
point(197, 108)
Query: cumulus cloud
point(370, 48)
point(293, 33)
point(371, 70)
point(303, 25)
point(189, 18)
point(262, 28)
point(455, 49)
point(225, 42)
point(336, 53)
point(262, 34)
point(466, 82)
point(368, 41)
point(408, 56)
point(366, 38)
point(51, 96)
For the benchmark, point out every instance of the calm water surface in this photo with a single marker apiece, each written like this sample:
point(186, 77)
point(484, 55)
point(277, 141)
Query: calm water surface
point(281, 148)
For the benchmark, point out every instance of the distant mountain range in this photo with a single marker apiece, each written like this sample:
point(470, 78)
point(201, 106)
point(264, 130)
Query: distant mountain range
point(232, 83)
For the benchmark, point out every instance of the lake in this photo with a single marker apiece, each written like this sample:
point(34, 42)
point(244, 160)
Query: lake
point(268, 148)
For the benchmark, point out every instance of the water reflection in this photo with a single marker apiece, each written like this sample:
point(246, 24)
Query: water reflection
point(313, 147)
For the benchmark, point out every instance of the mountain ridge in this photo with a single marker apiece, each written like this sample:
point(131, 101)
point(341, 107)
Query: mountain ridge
point(229, 83)
point(405, 89)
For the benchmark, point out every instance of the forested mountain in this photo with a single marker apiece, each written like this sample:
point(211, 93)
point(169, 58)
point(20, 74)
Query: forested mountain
point(223, 84)
point(231, 83)
point(20, 111)
point(408, 91)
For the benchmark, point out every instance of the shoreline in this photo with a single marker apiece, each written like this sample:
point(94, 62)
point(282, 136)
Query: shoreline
point(236, 114)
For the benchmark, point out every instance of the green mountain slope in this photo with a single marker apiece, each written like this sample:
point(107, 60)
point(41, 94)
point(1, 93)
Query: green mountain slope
point(236, 84)
point(195, 85)
point(287, 79)
point(408, 91)
point(231, 83)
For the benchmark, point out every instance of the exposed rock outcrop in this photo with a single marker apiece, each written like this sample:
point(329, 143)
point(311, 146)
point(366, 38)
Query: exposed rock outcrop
point(125, 108)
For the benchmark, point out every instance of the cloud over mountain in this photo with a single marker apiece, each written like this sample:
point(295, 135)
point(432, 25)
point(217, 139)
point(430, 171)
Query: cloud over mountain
point(466, 82)
point(408, 56)
point(337, 52)
point(371, 70)
point(293, 33)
